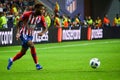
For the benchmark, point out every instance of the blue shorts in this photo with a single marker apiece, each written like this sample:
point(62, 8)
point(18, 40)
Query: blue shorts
point(25, 39)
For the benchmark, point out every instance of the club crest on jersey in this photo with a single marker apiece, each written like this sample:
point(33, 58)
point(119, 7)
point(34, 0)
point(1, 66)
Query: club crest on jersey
point(71, 5)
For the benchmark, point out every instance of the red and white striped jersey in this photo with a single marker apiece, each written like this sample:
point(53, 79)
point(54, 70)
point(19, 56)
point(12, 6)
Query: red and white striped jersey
point(29, 22)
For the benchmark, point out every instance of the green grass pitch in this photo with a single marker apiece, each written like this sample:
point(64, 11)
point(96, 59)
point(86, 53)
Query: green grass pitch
point(64, 61)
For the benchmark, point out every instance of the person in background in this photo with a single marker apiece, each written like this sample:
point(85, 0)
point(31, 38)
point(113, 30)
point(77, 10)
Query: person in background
point(116, 21)
point(69, 21)
point(47, 19)
point(3, 19)
point(106, 21)
point(65, 21)
point(98, 22)
point(79, 16)
point(57, 22)
point(16, 18)
point(85, 24)
point(78, 20)
point(90, 21)
point(14, 9)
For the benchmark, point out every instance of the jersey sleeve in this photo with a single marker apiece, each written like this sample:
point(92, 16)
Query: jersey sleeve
point(25, 15)
point(43, 22)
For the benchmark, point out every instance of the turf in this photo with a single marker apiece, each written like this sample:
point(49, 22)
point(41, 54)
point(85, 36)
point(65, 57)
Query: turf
point(64, 61)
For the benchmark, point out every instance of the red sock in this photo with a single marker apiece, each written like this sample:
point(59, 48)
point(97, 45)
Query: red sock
point(18, 55)
point(33, 53)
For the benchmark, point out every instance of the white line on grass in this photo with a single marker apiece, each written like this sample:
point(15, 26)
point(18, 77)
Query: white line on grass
point(71, 45)
point(83, 44)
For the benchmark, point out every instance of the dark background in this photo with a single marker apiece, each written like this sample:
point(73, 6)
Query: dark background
point(91, 8)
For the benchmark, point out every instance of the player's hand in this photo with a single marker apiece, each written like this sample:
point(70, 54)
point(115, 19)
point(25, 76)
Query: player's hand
point(40, 34)
point(17, 36)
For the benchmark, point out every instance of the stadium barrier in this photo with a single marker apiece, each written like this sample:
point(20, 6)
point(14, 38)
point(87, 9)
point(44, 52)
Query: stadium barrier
point(53, 35)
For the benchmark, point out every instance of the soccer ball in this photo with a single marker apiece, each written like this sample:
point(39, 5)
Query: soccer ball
point(95, 63)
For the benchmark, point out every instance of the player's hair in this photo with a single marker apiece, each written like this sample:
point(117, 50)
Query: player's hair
point(38, 5)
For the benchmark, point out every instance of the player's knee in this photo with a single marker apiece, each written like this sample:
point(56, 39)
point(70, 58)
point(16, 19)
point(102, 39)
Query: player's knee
point(23, 52)
point(30, 44)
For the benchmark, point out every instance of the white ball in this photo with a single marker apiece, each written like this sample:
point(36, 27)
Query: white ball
point(95, 63)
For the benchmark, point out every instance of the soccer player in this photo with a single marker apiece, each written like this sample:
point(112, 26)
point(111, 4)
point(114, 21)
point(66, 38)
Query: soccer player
point(29, 20)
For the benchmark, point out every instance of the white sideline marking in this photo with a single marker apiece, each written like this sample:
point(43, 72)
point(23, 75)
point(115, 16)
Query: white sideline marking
point(84, 44)
point(65, 46)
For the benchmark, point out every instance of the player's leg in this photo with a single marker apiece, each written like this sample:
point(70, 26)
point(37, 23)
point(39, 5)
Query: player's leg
point(34, 55)
point(16, 57)
point(20, 54)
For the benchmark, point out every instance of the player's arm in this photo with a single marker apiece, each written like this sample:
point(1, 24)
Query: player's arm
point(45, 28)
point(22, 19)
point(18, 29)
